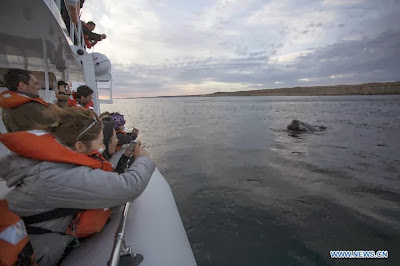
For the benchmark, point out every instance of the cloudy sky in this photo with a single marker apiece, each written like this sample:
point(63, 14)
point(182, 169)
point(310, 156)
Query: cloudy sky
point(160, 47)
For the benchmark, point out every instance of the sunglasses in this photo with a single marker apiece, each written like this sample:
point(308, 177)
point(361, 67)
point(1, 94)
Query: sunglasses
point(86, 129)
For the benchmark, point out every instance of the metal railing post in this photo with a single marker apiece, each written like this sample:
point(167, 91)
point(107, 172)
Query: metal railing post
point(46, 71)
point(111, 84)
point(79, 34)
point(58, 3)
point(71, 31)
point(119, 238)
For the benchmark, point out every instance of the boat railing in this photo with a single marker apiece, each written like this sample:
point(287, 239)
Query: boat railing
point(58, 3)
point(120, 249)
point(106, 86)
point(67, 15)
point(75, 29)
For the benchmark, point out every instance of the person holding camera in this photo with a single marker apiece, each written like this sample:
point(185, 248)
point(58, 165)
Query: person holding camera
point(60, 168)
point(63, 93)
point(123, 137)
point(110, 142)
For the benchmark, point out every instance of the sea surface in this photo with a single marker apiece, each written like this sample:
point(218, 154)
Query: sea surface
point(250, 194)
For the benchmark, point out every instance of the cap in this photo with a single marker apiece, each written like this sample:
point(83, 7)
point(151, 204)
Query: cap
point(61, 82)
point(119, 120)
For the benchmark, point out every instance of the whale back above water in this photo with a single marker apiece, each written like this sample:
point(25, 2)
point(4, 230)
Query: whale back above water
point(297, 127)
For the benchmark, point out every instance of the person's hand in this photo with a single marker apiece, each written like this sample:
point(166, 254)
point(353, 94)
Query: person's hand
point(128, 152)
point(103, 36)
point(135, 131)
point(139, 151)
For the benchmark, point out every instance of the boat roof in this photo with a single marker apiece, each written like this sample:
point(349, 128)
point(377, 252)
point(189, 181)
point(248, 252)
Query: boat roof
point(38, 34)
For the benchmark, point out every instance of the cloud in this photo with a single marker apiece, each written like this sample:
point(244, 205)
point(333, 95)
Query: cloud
point(341, 2)
point(379, 55)
point(375, 59)
point(172, 48)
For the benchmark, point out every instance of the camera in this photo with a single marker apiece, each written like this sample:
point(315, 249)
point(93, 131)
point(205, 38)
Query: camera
point(132, 145)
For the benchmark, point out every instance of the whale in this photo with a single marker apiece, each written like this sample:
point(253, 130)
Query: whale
point(298, 127)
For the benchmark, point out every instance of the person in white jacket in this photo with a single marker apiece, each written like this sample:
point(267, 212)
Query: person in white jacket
point(42, 186)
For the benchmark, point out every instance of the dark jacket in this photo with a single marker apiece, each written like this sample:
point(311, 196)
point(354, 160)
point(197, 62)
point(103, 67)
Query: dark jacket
point(125, 138)
point(125, 161)
point(91, 35)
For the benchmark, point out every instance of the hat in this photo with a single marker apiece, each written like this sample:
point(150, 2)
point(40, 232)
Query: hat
point(61, 82)
point(119, 120)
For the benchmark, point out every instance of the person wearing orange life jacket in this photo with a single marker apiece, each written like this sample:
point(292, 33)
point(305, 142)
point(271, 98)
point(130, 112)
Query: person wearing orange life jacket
point(22, 108)
point(15, 247)
point(82, 98)
point(64, 169)
point(91, 38)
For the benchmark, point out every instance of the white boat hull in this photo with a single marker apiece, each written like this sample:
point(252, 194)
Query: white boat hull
point(154, 229)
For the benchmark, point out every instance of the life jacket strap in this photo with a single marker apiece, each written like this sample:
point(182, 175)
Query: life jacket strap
point(50, 215)
point(33, 230)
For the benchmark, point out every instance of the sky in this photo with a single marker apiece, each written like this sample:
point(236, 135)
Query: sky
point(165, 48)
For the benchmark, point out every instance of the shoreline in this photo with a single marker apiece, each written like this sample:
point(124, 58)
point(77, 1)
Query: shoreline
point(385, 88)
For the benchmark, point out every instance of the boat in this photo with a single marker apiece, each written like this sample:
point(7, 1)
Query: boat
point(34, 36)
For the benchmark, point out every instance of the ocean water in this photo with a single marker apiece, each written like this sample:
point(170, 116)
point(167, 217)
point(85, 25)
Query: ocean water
point(250, 194)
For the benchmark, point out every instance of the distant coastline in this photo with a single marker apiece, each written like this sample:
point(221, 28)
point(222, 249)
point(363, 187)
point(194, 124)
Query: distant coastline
point(385, 88)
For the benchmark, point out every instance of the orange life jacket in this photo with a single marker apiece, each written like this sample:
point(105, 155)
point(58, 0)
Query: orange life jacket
point(88, 42)
point(88, 222)
point(12, 99)
point(43, 146)
point(72, 102)
point(40, 145)
point(15, 248)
